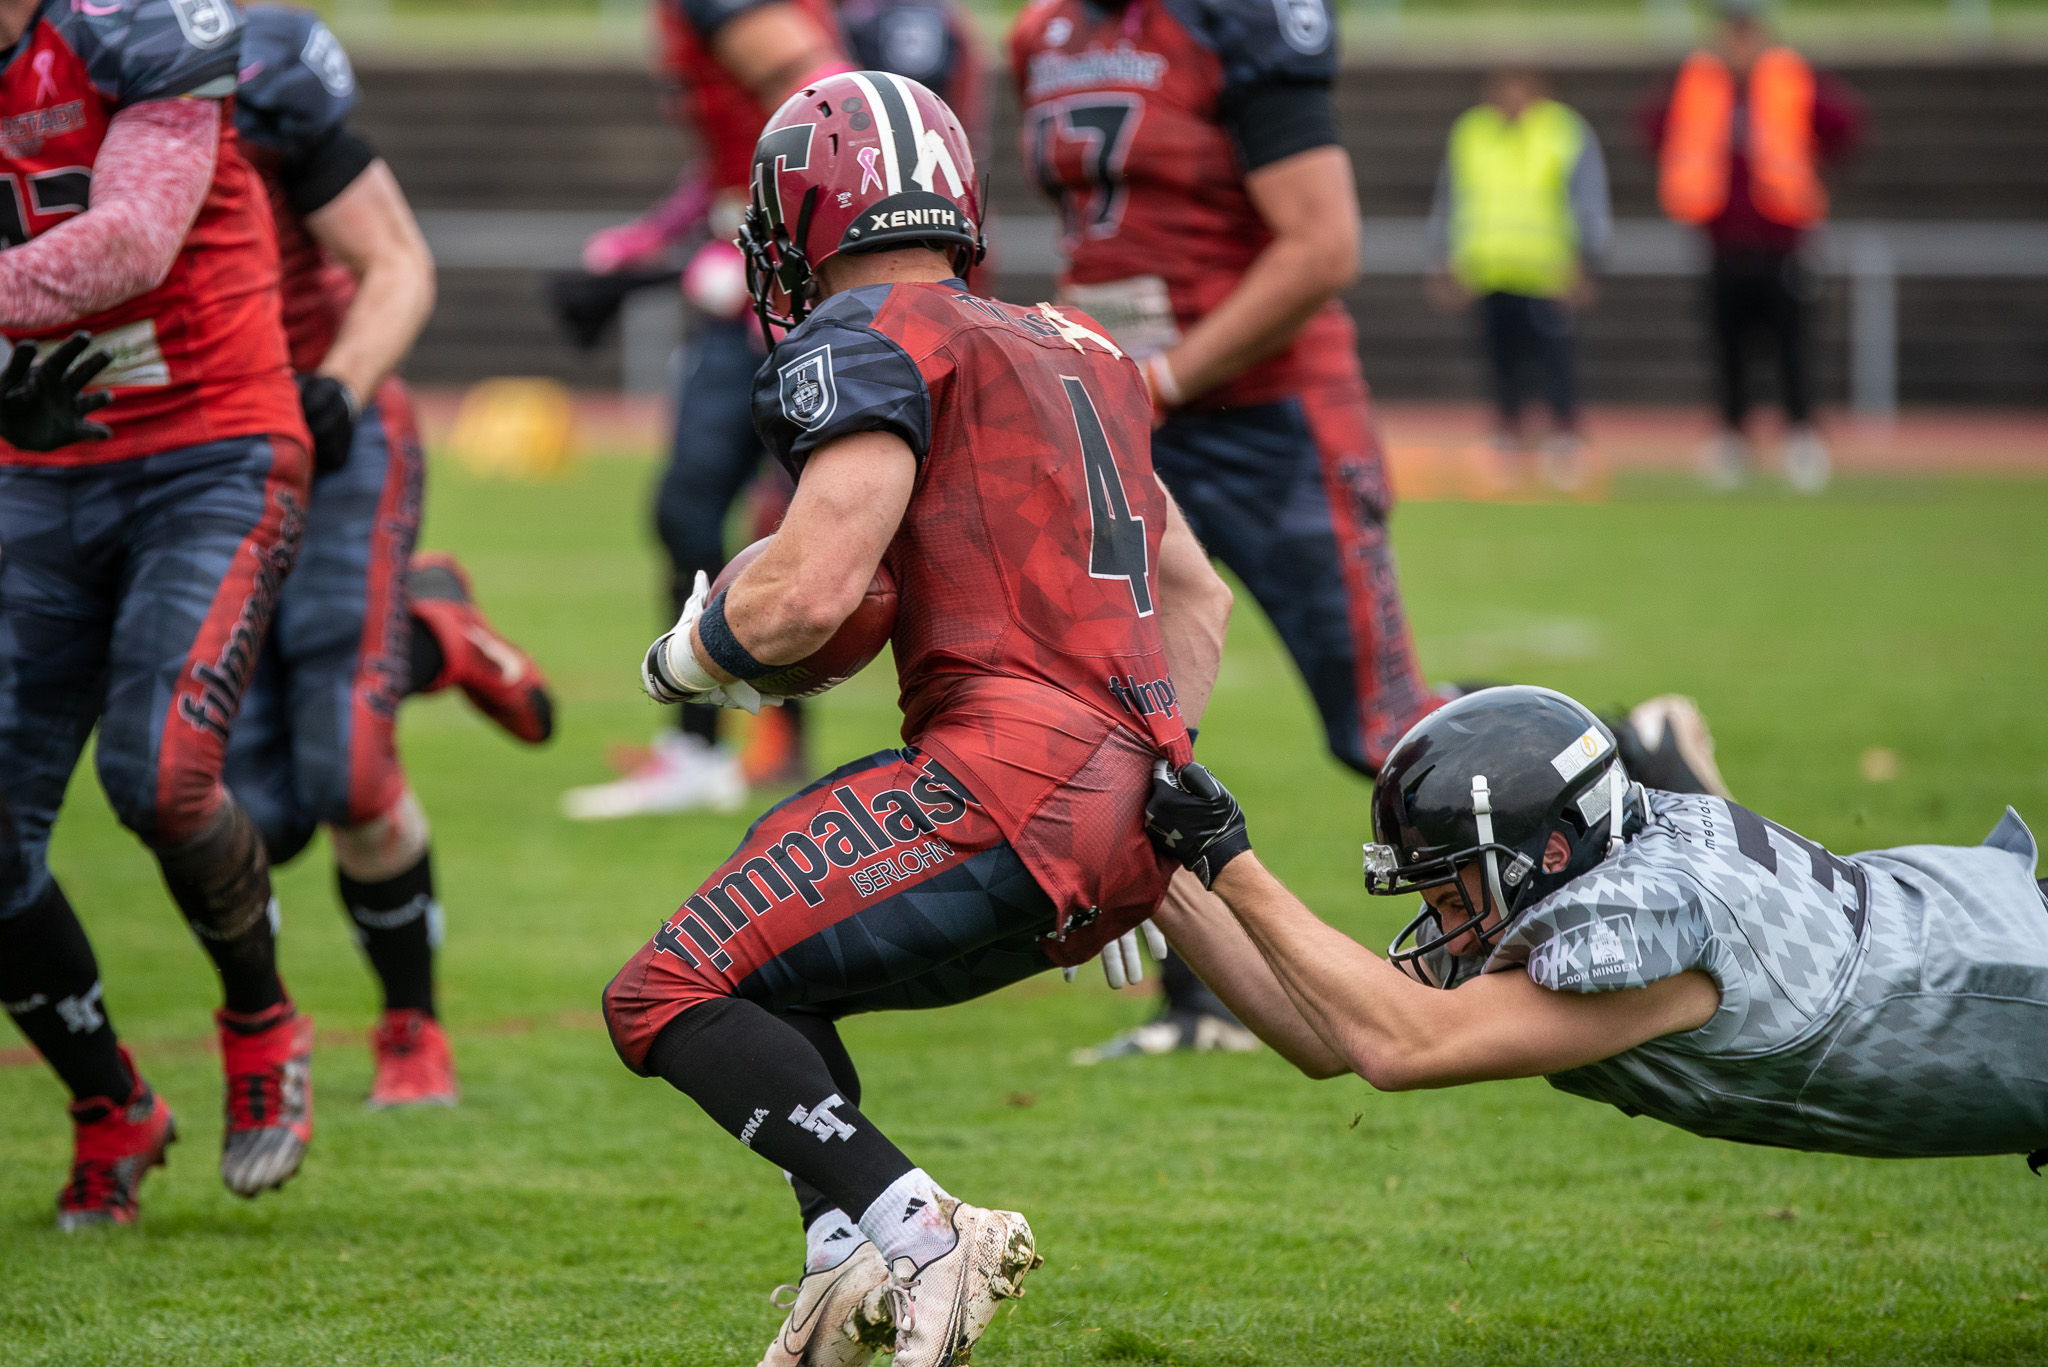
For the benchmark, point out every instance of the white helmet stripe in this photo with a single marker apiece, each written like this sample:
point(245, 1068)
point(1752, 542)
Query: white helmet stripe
point(932, 154)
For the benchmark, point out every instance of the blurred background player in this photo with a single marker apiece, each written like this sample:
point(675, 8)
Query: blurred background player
point(1740, 139)
point(1520, 221)
point(316, 741)
point(731, 64)
point(1055, 622)
point(1210, 217)
point(141, 570)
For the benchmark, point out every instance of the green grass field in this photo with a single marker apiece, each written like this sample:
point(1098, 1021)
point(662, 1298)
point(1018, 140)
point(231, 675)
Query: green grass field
point(1204, 1211)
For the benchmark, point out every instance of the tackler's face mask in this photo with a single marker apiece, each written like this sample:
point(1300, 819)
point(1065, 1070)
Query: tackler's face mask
point(1471, 895)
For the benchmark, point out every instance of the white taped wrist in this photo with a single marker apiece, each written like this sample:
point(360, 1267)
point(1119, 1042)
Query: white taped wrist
point(683, 665)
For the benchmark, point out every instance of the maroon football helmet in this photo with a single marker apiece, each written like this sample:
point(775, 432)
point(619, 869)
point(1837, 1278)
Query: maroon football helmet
point(858, 162)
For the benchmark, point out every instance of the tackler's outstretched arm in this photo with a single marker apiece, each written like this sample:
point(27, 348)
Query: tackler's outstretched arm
point(1395, 1032)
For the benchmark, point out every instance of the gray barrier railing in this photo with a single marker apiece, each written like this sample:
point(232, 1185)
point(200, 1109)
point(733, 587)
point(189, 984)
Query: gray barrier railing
point(1872, 255)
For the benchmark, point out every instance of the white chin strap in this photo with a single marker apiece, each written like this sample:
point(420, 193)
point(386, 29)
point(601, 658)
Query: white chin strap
point(1617, 789)
point(1482, 812)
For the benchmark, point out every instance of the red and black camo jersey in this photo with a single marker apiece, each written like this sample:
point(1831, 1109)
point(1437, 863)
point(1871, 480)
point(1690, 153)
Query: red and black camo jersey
point(297, 90)
point(1124, 127)
point(200, 357)
point(925, 40)
point(1027, 642)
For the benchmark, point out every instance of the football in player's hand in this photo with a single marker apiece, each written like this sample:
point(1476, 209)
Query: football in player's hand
point(859, 639)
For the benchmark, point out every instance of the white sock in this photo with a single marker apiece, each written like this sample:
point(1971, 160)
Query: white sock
point(830, 1240)
point(906, 1221)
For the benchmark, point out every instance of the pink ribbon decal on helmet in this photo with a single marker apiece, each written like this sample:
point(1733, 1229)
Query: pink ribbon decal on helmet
point(867, 168)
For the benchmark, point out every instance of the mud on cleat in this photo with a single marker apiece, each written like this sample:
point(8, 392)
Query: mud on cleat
point(268, 1058)
point(499, 678)
point(414, 1065)
point(839, 1317)
point(1665, 744)
point(114, 1143)
point(940, 1310)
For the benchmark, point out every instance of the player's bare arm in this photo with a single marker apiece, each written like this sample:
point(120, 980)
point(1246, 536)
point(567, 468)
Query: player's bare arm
point(1204, 933)
point(842, 518)
point(1400, 1035)
point(370, 229)
point(1310, 202)
point(1194, 613)
point(148, 182)
point(772, 49)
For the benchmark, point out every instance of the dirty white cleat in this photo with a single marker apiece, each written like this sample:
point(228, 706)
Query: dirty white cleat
point(1725, 459)
point(940, 1310)
point(681, 773)
point(840, 1318)
point(1807, 466)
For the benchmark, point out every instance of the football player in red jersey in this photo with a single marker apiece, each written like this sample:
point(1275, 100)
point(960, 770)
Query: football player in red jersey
point(1057, 629)
point(731, 64)
point(1209, 218)
point(356, 630)
point(142, 569)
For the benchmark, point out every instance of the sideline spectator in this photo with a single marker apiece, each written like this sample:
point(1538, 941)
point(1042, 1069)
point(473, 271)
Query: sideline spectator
point(1520, 220)
point(1740, 139)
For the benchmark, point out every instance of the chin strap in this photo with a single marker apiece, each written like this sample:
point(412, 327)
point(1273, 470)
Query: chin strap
point(1617, 790)
point(1482, 813)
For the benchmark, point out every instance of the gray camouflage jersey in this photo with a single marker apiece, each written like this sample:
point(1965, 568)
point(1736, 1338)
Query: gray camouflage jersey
point(1891, 1004)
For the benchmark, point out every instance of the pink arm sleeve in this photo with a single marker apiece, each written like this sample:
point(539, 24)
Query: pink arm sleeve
point(147, 185)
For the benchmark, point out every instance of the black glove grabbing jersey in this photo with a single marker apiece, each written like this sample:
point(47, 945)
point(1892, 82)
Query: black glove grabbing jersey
point(1195, 821)
point(43, 407)
point(331, 417)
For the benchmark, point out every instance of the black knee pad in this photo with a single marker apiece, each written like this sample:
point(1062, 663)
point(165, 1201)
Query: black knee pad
point(220, 878)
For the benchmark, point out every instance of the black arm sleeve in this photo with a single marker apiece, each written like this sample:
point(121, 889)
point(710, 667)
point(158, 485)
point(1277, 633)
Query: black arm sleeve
point(324, 170)
point(1273, 119)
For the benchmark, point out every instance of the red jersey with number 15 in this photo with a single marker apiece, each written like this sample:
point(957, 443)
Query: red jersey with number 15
point(1027, 640)
point(202, 356)
point(1124, 128)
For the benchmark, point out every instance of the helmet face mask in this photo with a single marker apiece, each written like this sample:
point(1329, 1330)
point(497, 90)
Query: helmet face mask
point(862, 161)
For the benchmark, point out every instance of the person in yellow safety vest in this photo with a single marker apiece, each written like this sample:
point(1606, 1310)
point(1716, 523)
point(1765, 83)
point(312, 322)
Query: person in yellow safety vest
point(1740, 138)
point(1520, 220)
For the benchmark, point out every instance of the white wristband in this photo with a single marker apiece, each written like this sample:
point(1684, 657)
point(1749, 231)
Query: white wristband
point(1160, 371)
point(683, 665)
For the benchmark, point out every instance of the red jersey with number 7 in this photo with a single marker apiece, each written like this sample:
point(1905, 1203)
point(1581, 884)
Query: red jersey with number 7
point(1126, 126)
point(201, 357)
point(1027, 641)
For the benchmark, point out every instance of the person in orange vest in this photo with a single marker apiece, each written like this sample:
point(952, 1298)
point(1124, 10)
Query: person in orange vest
point(1740, 140)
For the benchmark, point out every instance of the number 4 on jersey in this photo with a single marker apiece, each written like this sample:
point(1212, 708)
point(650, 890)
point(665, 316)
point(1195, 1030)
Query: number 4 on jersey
point(1116, 547)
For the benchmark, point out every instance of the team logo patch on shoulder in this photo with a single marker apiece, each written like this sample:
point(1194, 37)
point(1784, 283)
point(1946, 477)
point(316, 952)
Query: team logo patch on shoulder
point(1605, 947)
point(324, 57)
point(809, 395)
point(1305, 24)
point(205, 23)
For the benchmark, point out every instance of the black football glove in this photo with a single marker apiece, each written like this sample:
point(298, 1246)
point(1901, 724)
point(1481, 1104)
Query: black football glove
point(1193, 819)
point(585, 304)
point(331, 414)
point(43, 407)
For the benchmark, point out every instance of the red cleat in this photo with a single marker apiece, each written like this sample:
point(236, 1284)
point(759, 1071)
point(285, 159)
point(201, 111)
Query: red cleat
point(268, 1057)
point(414, 1067)
point(501, 680)
point(113, 1145)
